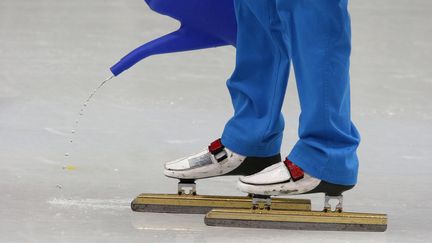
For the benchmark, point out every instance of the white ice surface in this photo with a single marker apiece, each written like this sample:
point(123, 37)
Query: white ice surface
point(53, 53)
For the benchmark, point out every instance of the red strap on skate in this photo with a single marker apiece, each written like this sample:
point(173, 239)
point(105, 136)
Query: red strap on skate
point(295, 171)
point(216, 147)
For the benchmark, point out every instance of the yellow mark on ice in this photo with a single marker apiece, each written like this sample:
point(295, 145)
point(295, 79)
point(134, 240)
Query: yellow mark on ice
point(69, 167)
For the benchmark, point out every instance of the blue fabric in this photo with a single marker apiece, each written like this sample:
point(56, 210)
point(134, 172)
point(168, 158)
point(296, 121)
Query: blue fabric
point(314, 35)
point(204, 24)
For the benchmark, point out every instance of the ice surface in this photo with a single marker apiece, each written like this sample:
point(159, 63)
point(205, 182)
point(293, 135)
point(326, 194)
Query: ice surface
point(54, 53)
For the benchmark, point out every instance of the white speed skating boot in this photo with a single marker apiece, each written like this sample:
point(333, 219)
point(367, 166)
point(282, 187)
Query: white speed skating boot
point(213, 161)
point(286, 178)
point(216, 160)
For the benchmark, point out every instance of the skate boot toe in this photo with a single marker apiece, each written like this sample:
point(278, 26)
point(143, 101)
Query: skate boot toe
point(216, 160)
point(256, 189)
point(276, 173)
point(269, 181)
point(179, 164)
point(186, 163)
point(278, 179)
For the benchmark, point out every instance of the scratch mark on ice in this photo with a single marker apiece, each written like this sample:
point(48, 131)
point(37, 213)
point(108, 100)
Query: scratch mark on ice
point(116, 204)
point(57, 132)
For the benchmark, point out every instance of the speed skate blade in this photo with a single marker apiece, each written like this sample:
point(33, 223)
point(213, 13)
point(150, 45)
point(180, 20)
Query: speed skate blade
point(202, 204)
point(297, 220)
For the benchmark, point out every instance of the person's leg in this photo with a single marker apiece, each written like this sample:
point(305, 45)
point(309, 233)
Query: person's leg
point(321, 45)
point(318, 37)
point(258, 84)
point(252, 138)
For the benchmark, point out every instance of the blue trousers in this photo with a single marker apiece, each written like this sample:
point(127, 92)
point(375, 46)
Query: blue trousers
point(315, 35)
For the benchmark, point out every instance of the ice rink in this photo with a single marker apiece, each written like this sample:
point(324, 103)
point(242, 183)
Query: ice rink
point(53, 53)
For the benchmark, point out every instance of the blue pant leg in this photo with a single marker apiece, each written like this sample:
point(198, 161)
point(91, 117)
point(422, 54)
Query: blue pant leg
point(259, 81)
point(321, 46)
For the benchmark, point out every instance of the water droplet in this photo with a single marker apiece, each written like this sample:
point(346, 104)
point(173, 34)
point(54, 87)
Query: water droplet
point(81, 113)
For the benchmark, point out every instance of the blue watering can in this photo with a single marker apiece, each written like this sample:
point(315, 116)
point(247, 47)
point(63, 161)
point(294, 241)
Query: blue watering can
point(204, 24)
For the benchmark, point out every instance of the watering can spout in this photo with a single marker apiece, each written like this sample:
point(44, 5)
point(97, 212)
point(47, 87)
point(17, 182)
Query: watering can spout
point(204, 24)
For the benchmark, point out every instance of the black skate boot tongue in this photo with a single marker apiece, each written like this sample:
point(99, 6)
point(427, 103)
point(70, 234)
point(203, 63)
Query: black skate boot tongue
point(253, 165)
